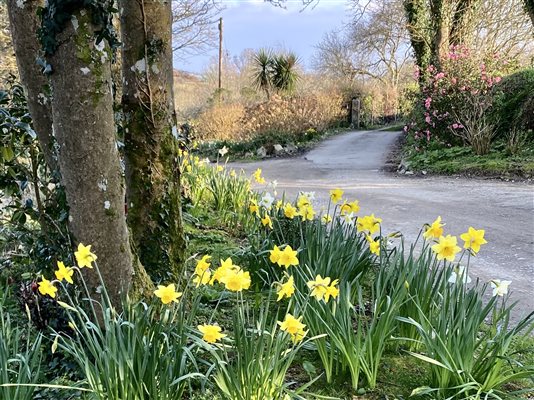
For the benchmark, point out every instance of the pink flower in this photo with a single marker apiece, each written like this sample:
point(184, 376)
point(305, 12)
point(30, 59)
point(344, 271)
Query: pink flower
point(427, 119)
point(455, 126)
point(405, 128)
point(497, 79)
point(428, 101)
point(439, 76)
point(453, 81)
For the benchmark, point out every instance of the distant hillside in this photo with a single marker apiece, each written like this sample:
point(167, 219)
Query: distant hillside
point(184, 77)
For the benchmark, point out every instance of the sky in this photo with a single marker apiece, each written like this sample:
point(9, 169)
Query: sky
point(253, 24)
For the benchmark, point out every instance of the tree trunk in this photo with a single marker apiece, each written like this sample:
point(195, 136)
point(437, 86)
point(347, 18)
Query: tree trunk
point(440, 15)
point(82, 109)
point(418, 28)
point(529, 7)
point(24, 25)
point(152, 168)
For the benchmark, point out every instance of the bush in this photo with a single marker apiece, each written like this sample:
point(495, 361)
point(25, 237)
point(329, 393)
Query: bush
point(291, 116)
point(221, 122)
point(513, 103)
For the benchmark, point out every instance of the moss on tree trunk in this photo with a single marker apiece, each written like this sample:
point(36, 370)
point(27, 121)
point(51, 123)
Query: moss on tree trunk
point(152, 166)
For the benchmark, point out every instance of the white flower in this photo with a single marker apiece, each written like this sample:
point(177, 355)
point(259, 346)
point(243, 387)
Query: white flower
point(459, 271)
point(223, 151)
point(349, 217)
point(267, 200)
point(500, 288)
point(309, 195)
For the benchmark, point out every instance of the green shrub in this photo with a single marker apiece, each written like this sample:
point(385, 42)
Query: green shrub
point(513, 104)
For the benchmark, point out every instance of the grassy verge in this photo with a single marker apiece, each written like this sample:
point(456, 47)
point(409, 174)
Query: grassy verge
point(498, 163)
point(247, 149)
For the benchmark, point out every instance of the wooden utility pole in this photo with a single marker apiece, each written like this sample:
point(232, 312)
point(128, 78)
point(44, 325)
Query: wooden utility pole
point(220, 53)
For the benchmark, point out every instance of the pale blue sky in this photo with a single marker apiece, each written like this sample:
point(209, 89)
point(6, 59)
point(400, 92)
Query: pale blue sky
point(256, 24)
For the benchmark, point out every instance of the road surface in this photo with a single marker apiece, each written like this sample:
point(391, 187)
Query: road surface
point(353, 162)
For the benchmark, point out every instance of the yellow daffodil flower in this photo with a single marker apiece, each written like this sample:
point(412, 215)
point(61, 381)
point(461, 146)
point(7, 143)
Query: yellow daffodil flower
point(326, 219)
point(323, 288)
point(290, 211)
point(275, 254)
point(253, 207)
point(286, 289)
point(211, 333)
point(203, 264)
point(374, 245)
point(257, 176)
point(288, 257)
point(236, 281)
point(266, 221)
point(368, 223)
point(64, 272)
point(47, 288)
point(84, 257)
point(307, 213)
point(294, 327)
point(336, 195)
point(446, 248)
point(167, 294)
point(473, 239)
point(220, 274)
point(435, 230)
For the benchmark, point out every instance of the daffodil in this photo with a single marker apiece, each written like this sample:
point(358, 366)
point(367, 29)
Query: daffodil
point(473, 239)
point(274, 254)
point(331, 291)
point(220, 168)
point(290, 211)
point(368, 223)
point(374, 245)
point(336, 195)
point(435, 230)
point(64, 272)
point(286, 289)
point(278, 205)
point(257, 176)
point(266, 221)
point(352, 207)
point(211, 333)
point(326, 219)
point(203, 264)
point(232, 173)
point(446, 248)
point(267, 201)
point(288, 257)
point(303, 201)
point(323, 288)
point(167, 294)
point(500, 288)
point(201, 277)
point(223, 151)
point(294, 327)
point(220, 274)
point(84, 257)
point(47, 288)
point(459, 274)
point(253, 207)
point(236, 281)
point(307, 213)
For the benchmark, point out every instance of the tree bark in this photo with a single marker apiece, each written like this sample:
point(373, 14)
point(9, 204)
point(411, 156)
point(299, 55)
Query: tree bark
point(529, 6)
point(82, 109)
point(152, 168)
point(24, 25)
point(418, 29)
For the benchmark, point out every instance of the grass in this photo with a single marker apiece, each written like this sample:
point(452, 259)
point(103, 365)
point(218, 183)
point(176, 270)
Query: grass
point(246, 150)
point(462, 160)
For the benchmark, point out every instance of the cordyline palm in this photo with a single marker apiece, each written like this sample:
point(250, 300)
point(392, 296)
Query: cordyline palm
point(285, 75)
point(263, 62)
point(277, 72)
